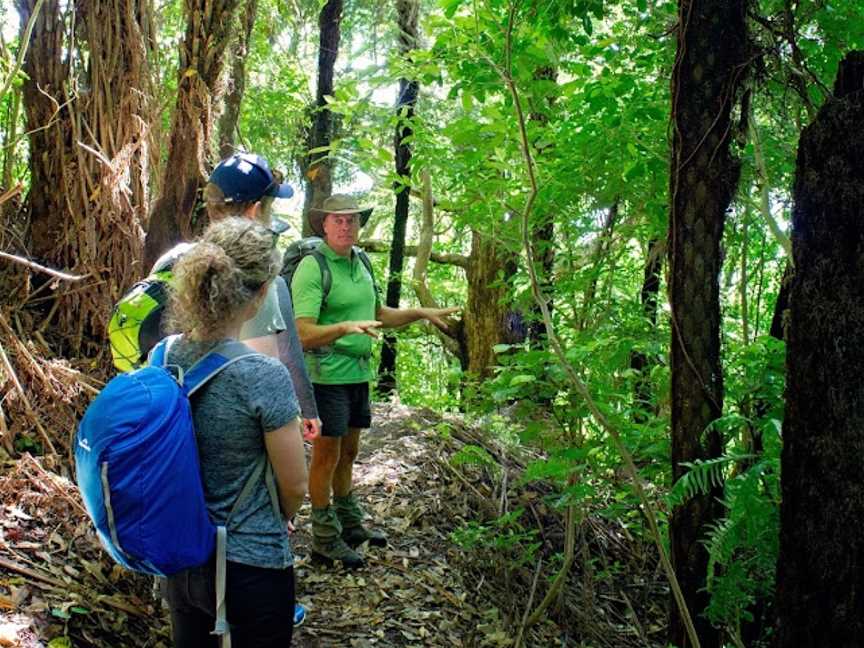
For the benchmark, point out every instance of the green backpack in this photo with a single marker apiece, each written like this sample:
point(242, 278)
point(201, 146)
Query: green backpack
point(136, 322)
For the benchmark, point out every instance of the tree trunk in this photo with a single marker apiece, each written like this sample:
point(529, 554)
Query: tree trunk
point(408, 11)
point(638, 360)
point(237, 83)
point(712, 42)
point(487, 319)
point(544, 225)
point(199, 88)
point(821, 563)
point(317, 166)
point(89, 152)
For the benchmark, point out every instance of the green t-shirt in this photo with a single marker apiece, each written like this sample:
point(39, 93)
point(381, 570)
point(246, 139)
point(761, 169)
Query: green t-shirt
point(352, 297)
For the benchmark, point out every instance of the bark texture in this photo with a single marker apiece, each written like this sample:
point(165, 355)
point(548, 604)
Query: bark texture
point(407, 11)
point(88, 109)
point(709, 67)
point(638, 360)
point(202, 55)
point(230, 116)
point(317, 167)
point(821, 563)
point(487, 319)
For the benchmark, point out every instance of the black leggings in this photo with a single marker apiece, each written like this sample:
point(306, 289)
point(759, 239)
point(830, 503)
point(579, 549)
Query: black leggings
point(260, 606)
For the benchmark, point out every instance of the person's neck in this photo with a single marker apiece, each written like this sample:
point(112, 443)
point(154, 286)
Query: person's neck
point(230, 330)
point(345, 251)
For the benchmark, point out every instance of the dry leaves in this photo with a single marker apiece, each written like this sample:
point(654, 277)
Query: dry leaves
point(57, 585)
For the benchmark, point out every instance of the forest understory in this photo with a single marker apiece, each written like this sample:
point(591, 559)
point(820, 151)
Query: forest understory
point(58, 588)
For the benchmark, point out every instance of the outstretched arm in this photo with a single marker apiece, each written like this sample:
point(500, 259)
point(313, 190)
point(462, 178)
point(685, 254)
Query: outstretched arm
point(396, 317)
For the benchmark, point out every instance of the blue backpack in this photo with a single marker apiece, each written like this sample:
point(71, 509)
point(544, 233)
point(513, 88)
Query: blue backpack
point(137, 466)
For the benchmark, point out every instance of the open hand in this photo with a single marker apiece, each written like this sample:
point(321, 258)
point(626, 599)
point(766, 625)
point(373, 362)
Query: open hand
point(437, 317)
point(363, 327)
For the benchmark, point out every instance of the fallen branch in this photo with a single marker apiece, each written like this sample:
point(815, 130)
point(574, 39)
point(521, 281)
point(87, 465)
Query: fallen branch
point(40, 268)
point(7, 366)
point(524, 624)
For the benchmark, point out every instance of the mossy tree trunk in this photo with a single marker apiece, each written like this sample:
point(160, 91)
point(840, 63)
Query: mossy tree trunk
point(709, 68)
point(821, 563)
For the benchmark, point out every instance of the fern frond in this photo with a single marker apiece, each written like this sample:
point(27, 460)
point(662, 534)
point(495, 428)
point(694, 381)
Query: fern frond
point(703, 476)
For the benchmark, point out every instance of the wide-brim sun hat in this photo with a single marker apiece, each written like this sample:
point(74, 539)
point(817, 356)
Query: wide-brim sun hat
point(246, 177)
point(336, 204)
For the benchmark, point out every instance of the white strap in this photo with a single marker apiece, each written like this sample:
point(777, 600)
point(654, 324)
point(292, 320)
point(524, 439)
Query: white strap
point(221, 629)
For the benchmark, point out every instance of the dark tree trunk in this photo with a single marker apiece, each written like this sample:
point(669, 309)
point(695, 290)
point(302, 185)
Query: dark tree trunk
point(237, 83)
point(407, 13)
point(712, 49)
point(821, 563)
point(202, 54)
point(317, 167)
point(544, 225)
point(638, 360)
point(88, 154)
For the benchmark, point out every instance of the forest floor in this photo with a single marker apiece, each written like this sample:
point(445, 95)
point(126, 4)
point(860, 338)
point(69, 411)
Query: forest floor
point(58, 589)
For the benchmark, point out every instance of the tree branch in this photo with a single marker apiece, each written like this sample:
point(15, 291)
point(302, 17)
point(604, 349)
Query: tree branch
point(375, 245)
point(41, 268)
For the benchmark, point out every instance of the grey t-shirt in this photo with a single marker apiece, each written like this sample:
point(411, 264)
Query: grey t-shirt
point(232, 413)
point(268, 320)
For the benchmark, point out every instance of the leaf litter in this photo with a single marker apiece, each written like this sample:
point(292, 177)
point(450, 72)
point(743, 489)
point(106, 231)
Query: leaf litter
point(59, 589)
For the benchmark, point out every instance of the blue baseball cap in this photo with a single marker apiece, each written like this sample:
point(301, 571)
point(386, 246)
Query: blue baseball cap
point(246, 177)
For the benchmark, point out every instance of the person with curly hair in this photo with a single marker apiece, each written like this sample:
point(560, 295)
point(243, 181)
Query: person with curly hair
point(248, 410)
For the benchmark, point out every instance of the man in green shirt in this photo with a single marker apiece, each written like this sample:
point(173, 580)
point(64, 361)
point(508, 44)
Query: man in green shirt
point(337, 333)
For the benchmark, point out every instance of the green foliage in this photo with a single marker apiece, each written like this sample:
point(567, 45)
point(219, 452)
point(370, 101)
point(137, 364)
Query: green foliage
point(476, 456)
point(505, 540)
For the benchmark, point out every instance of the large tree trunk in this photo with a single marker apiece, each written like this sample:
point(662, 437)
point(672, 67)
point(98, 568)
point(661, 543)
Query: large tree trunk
point(317, 167)
point(821, 563)
point(88, 104)
point(408, 11)
point(712, 42)
point(237, 81)
point(202, 53)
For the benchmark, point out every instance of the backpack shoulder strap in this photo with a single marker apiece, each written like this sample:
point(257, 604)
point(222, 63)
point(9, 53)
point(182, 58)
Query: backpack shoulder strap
point(326, 277)
point(367, 263)
point(211, 364)
point(160, 351)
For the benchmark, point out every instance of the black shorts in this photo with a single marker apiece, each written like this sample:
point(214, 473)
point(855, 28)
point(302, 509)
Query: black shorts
point(341, 407)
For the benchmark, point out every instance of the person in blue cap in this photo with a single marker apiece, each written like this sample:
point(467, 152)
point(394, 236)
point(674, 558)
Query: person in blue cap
point(243, 185)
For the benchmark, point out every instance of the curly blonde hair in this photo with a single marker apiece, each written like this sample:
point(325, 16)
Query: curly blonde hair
point(226, 269)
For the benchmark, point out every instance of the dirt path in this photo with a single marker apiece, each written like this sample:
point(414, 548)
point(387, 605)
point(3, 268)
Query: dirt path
point(408, 595)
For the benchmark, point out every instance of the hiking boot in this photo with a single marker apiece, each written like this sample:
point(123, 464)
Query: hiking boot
point(351, 519)
point(328, 546)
